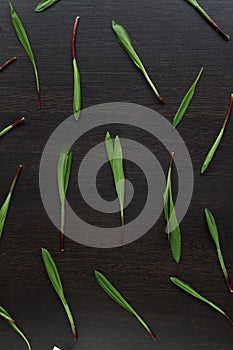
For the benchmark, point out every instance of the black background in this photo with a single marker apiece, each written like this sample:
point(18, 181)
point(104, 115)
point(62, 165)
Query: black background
point(174, 42)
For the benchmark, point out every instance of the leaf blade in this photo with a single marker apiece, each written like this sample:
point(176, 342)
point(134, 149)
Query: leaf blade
point(14, 326)
point(186, 101)
point(23, 38)
point(113, 293)
point(45, 4)
point(55, 279)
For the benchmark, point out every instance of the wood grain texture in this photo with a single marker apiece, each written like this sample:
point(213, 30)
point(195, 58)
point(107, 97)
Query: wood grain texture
point(174, 42)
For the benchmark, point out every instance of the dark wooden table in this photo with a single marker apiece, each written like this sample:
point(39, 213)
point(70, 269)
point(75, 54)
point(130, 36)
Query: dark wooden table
point(174, 42)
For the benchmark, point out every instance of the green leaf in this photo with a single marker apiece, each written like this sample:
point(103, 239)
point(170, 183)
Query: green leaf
point(125, 41)
point(185, 287)
point(212, 151)
point(113, 293)
point(23, 38)
point(115, 157)
point(63, 171)
point(77, 91)
point(186, 101)
point(5, 206)
point(54, 277)
point(8, 318)
point(63, 176)
point(174, 234)
point(212, 226)
point(44, 4)
point(174, 231)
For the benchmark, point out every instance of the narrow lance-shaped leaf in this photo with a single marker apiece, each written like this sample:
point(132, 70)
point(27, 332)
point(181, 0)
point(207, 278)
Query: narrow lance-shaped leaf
point(23, 38)
point(5, 206)
point(215, 236)
point(186, 101)
point(213, 149)
point(114, 152)
point(44, 4)
point(119, 299)
point(12, 323)
point(173, 228)
point(185, 287)
point(54, 277)
point(196, 5)
point(63, 175)
point(7, 63)
point(125, 41)
point(77, 84)
point(8, 128)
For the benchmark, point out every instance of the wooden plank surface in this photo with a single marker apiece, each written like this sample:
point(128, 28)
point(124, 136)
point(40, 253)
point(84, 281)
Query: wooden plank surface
point(174, 43)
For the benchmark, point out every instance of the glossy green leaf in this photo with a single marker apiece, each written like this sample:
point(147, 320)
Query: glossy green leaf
point(186, 101)
point(114, 152)
point(23, 38)
point(125, 42)
point(8, 318)
point(77, 91)
point(212, 226)
point(173, 229)
point(63, 176)
point(185, 287)
point(44, 4)
point(63, 171)
point(5, 206)
point(113, 293)
point(212, 151)
point(54, 277)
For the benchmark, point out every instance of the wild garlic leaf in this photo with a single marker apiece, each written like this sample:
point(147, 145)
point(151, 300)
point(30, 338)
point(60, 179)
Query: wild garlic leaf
point(54, 277)
point(125, 41)
point(185, 287)
point(186, 101)
point(213, 149)
point(44, 4)
point(113, 293)
point(5, 206)
point(212, 226)
point(174, 234)
point(196, 5)
point(77, 99)
point(23, 38)
point(212, 152)
point(63, 176)
point(9, 320)
point(114, 152)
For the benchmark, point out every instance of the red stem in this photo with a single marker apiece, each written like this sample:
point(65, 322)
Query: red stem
point(74, 36)
point(172, 158)
point(62, 242)
point(229, 111)
point(16, 177)
point(229, 285)
point(220, 31)
point(152, 335)
point(75, 336)
point(7, 63)
point(19, 121)
point(228, 319)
